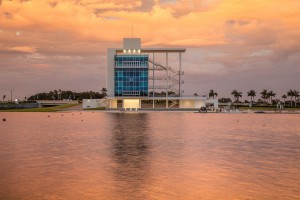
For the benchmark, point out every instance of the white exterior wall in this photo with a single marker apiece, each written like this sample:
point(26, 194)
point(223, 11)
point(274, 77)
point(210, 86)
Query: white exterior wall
point(199, 103)
point(113, 103)
point(192, 103)
point(213, 101)
point(186, 103)
point(90, 103)
point(110, 84)
point(131, 103)
point(132, 43)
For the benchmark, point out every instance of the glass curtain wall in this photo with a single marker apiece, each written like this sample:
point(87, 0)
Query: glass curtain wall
point(131, 75)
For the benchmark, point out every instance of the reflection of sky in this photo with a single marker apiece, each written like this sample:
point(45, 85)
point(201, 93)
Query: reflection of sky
point(154, 155)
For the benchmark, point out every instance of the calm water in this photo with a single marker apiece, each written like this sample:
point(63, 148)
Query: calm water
point(155, 155)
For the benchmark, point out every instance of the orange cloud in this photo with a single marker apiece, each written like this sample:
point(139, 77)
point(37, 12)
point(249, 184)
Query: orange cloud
point(110, 21)
point(23, 49)
point(85, 28)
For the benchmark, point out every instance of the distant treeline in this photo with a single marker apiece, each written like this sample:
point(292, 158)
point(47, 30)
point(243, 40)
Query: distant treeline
point(267, 97)
point(70, 95)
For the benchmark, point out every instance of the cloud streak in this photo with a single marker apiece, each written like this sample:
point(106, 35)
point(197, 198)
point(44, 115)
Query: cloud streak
point(223, 38)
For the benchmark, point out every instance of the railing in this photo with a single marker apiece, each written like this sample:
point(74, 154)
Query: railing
point(158, 78)
point(103, 102)
point(173, 103)
point(158, 87)
point(162, 66)
point(173, 78)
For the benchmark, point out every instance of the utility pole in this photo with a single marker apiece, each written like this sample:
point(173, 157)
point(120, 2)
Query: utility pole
point(11, 91)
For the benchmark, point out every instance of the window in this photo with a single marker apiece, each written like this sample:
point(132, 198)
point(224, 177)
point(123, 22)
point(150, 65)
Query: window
point(131, 77)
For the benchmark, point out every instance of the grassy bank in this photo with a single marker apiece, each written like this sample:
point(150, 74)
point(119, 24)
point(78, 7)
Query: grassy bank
point(101, 108)
point(45, 109)
point(264, 108)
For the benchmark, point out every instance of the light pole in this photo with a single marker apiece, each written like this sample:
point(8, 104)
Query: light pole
point(11, 91)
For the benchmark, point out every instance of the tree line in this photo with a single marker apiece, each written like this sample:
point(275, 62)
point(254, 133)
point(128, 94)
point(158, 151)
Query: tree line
point(267, 97)
point(68, 95)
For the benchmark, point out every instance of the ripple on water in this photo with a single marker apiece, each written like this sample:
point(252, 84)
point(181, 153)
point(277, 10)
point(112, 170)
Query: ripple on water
point(155, 155)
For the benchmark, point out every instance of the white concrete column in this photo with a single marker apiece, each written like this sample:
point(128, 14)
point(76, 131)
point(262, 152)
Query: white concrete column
point(179, 74)
point(153, 80)
point(167, 90)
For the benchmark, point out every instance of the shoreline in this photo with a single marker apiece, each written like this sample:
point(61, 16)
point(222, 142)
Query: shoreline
point(78, 108)
point(192, 111)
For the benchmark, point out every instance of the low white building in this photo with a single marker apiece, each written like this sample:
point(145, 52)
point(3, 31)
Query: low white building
point(93, 103)
point(136, 103)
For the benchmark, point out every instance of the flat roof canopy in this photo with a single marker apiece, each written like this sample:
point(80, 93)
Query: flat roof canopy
point(158, 50)
point(158, 98)
point(161, 50)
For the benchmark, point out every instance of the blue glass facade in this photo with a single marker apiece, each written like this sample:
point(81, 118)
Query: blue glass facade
point(131, 75)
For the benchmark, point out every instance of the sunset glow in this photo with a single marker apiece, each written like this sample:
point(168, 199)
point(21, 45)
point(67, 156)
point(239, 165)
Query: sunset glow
point(231, 44)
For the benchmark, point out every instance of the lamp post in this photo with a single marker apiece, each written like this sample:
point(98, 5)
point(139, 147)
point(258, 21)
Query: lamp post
point(11, 91)
point(74, 95)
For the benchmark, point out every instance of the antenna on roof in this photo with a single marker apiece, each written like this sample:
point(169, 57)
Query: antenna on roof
point(131, 31)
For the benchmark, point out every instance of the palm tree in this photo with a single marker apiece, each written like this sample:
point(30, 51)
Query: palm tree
point(3, 97)
point(104, 92)
point(270, 95)
point(55, 94)
point(284, 97)
point(251, 94)
point(264, 94)
point(234, 92)
point(296, 95)
point(236, 95)
point(290, 93)
point(212, 94)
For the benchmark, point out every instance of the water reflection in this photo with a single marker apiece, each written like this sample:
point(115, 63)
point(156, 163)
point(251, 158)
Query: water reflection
point(130, 153)
point(158, 155)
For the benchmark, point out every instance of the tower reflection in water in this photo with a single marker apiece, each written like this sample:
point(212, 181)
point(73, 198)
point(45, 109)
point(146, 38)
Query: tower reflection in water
point(131, 150)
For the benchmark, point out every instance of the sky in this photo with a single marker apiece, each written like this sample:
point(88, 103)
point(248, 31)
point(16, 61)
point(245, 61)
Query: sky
point(231, 44)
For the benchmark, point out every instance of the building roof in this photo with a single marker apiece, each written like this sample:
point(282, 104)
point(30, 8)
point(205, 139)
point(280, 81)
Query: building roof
point(157, 50)
point(154, 50)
